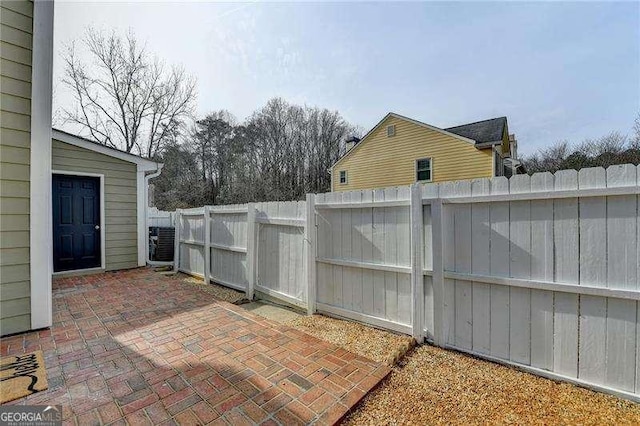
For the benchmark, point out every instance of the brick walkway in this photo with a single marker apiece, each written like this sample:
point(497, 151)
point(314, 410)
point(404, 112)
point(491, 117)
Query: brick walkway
point(142, 348)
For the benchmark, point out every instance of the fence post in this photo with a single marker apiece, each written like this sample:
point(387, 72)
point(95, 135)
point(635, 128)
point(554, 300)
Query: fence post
point(310, 263)
point(251, 249)
point(176, 241)
point(207, 244)
point(417, 277)
point(438, 272)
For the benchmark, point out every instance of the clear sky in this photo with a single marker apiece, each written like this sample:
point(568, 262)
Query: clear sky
point(556, 70)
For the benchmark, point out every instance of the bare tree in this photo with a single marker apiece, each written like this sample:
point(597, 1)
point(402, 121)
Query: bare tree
point(635, 137)
point(214, 138)
point(281, 152)
point(125, 97)
point(549, 159)
point(610, 149)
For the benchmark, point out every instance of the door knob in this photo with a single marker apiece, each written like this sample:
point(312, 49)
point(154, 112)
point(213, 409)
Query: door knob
point(97, 227)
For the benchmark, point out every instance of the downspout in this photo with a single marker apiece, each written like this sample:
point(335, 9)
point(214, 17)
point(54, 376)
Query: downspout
point(147, 178)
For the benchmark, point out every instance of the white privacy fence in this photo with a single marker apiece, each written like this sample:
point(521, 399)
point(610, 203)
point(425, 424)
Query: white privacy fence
point(540, 271)
point(281, 250)
point(157, 217)
point(250, 247)
point(364, 256)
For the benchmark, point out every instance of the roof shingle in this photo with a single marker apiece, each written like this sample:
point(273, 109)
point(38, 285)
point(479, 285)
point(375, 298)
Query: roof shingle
point(484, 131)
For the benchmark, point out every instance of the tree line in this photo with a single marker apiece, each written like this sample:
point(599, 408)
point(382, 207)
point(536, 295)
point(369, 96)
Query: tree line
point(605, 151)
point(281, 152)
point(126, 98)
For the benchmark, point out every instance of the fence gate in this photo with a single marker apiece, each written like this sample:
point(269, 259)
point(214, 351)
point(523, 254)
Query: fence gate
point(228, 245)
point(364, 257)
point(281, 251)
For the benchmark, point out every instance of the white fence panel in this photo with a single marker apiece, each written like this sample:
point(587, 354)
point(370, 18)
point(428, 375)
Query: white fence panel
point(228, 246)
point(191, 241)
point(364, 256)
point(429, 191)
point(542, 268)
point(157, 217)
point(281, 250)
point(553, 271)
point(481, 265)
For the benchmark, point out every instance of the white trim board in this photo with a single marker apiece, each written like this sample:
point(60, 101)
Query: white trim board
point(141, 220)
point(40, 227)
point(144, 164)
point(415, 170)
point(103, 225)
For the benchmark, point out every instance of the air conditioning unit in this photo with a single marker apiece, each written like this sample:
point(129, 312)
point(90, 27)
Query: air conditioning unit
point(161, 240)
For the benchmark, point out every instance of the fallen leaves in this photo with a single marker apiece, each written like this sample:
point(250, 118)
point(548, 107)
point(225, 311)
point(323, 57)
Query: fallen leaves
point(219, 292)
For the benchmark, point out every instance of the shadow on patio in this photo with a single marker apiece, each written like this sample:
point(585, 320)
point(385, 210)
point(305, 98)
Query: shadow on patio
point(140, 347)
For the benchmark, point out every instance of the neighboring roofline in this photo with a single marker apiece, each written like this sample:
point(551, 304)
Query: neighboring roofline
point(400, 117)
point(143, 164)
point(476, 122)
point(484, 145)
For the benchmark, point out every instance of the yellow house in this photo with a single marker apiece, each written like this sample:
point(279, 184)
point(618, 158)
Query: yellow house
point(401, 151)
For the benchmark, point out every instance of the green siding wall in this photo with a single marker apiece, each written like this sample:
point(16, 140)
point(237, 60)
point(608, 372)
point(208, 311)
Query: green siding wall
point(16, 29)
point(121, 233)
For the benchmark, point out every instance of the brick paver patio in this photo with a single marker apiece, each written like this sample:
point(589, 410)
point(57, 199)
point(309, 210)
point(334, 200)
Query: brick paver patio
point(142, 348)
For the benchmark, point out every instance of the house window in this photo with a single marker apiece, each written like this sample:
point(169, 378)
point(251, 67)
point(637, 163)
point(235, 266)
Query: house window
point(391, 130)
point(423, 170)
point(343, 177)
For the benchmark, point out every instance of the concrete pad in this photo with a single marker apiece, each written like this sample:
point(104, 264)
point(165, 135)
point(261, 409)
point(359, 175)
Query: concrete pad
point(272, 312)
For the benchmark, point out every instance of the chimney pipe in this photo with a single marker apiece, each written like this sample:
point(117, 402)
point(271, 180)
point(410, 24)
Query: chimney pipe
point(350, 143)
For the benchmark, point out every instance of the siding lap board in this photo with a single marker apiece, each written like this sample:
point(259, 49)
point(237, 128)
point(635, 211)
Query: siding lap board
point(16, 28)
point(121, 238)
point(382, 161)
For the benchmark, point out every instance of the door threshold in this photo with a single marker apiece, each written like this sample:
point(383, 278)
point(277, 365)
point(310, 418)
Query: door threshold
point(95, 270)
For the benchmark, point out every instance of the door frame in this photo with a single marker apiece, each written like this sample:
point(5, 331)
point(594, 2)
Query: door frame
point(103, 256)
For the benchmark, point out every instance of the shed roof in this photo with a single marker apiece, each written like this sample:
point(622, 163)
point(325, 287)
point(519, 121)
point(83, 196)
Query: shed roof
point(143, 163)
